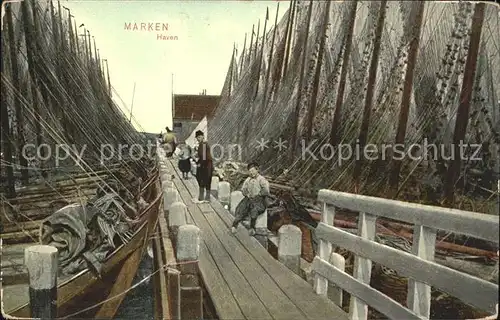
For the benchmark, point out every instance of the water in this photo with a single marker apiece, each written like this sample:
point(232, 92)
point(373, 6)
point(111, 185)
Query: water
point(138, 302)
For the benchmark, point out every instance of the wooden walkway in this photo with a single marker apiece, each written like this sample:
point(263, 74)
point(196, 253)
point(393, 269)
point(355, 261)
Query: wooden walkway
point(244, 281)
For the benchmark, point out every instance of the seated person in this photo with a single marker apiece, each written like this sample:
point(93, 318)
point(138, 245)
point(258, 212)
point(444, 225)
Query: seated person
point(255, 191)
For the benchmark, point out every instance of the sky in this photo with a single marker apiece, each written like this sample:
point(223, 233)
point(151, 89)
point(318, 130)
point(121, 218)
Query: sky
point(199, 59)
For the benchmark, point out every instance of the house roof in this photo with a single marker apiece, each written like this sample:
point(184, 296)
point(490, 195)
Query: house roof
point(194, 107)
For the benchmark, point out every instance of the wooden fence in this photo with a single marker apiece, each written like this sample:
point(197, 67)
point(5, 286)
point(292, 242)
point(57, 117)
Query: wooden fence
point(418, 266)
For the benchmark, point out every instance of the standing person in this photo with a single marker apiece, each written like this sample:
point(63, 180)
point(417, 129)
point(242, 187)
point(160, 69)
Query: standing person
point(185, 160)
point(204, 168)
point(255, 190)
point(170, 142)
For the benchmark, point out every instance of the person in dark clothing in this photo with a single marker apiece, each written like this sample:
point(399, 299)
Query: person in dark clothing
point(204, 168)
point(255, 190)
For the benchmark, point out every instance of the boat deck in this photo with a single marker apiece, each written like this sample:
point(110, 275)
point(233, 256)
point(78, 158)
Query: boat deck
point(244, 281)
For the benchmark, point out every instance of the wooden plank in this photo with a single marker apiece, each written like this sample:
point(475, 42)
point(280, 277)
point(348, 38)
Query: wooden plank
point(162, 300)
point(246, 299)
point(192, 303)
point(174, 293)
point(224, 302)
point(296, 288)
point(471, 290)
point(278, 304)
point(477, 225)
point(376, 299)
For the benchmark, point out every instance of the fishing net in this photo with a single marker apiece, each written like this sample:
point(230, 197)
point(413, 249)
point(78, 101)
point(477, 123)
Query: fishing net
point(255, 107)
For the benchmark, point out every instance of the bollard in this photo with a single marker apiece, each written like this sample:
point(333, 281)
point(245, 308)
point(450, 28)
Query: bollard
point(170, 196)
point(214, 187)
point(224, 193)
point(334, 292)
point(261, 229)
point(290, 246)
point(167, 185)
point(236, 198)
point(176, 217)
point(188, 254)
point(165, 177)
point(41, 262)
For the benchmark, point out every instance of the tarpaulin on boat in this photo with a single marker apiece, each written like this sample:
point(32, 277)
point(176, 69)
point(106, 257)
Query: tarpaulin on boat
point(84, 234)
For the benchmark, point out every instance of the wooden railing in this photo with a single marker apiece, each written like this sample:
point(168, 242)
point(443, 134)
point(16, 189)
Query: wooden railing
point(418, 266)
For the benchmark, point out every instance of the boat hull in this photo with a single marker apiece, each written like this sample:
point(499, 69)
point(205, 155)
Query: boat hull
point(100, 295)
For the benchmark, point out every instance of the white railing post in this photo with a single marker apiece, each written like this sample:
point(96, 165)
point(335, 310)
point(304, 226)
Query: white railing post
point(362, 267)
point(334, 292)
point(325, 249)
point(419, 294)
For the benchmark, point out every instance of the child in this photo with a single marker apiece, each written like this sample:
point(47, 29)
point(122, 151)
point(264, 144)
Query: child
point(185, 160)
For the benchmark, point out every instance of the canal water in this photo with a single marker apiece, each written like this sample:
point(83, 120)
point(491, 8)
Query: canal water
point(138, 302)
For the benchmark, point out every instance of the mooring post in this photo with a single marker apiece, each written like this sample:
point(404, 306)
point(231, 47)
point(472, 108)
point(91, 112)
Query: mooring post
point(290, 246)
point(188, 254)
point(214, 187)
point(236, 197)
point(170, 195)
point(261, 229)
point(224, 193)
point(176, 218)
point(41, 262)
point(334, 292)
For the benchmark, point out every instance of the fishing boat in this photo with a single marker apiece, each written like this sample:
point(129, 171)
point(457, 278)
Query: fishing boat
point(89, 292)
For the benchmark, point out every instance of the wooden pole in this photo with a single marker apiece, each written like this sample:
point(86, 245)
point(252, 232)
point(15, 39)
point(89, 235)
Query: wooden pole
point(232, 70)
point(317, 74)
point(41, 262)
point(269, 65)
point(335, 131)
point(109, 81)
point(96, 60)
point(23, 162)
point(372, 76)
point(408, 86)
point(90, 47)
point(242, 59)
point(462, 118)
point(261, 53)
point(257, 39)
point(71, 36)
point(132, 104)
point(251, 44)
point(76, 38)
point(289, 42)
point(30, 41)
point(86, 45)
point(61, 29)
point(6, 134)
point(295, 120)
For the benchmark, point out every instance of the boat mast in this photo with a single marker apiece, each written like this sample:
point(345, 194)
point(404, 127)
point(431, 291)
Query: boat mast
point(465, 99)
point(372, 76)
point(295, 120)
point(408, 86)
point(335, 131)
point(132, 104)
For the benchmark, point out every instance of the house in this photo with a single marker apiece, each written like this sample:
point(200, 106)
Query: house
point(189, 110)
